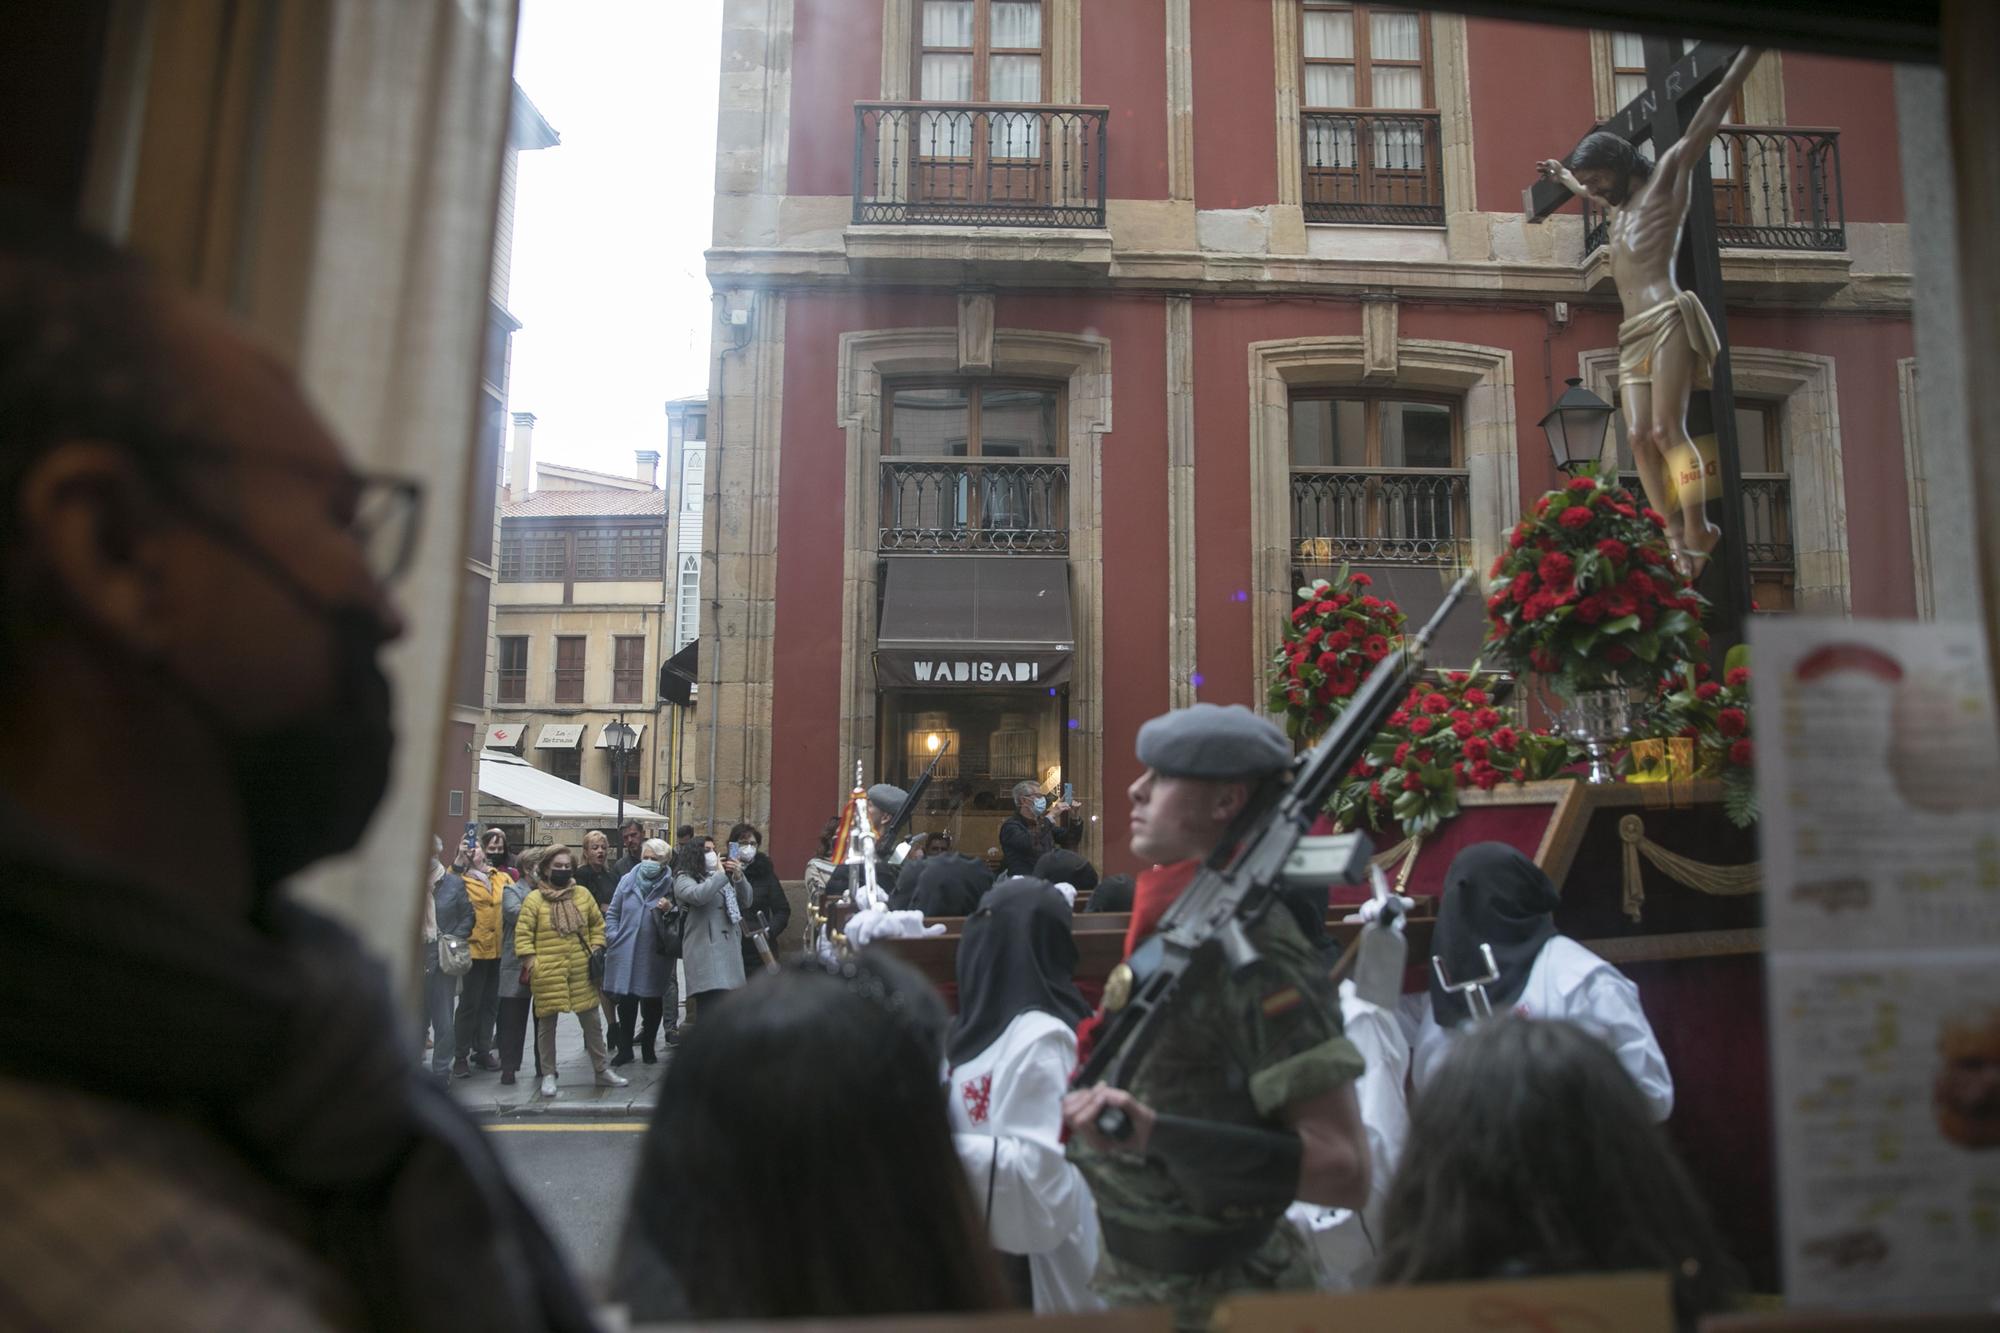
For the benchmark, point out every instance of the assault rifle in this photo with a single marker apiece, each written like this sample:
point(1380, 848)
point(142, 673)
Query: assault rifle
point(1241, 878)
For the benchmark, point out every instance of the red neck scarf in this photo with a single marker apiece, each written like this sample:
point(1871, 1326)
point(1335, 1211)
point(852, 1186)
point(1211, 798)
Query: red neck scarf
point(1157, 890)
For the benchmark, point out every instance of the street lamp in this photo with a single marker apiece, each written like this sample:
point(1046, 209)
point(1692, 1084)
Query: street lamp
point(1575, 427)
point(621, 738)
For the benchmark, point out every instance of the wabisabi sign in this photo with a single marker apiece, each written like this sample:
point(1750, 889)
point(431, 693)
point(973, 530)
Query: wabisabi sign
point(945, 668)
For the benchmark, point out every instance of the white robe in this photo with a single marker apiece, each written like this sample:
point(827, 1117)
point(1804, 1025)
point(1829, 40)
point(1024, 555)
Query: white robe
point(1569, 981)
point(1006, 1119)
point(1343, 1241)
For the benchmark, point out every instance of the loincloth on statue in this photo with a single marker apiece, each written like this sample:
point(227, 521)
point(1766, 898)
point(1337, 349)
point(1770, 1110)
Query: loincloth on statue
point(1641, 337)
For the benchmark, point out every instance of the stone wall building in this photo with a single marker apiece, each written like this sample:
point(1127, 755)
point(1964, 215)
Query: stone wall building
point(1057, 342)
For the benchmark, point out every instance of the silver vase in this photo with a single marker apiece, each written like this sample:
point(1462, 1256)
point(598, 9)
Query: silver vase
point(1598, 720)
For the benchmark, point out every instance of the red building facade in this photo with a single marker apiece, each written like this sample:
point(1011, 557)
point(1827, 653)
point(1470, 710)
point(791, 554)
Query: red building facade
point(1185, 302)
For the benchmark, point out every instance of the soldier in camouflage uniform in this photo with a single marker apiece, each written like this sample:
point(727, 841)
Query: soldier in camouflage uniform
point(1245, 1101)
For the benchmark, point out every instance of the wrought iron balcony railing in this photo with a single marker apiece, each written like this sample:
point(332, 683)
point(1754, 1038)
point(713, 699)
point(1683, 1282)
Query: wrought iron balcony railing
point(979, 164)
point(1776, 188)
point(1767, 518)
point(1373, 166)
point(962, 505)
point(1405, 516)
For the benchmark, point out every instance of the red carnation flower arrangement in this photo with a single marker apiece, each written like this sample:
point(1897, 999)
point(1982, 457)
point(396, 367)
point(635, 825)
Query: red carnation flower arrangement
point(1443, 738)
point(1336, 635)
point(1716, 716)
point(1586, 592)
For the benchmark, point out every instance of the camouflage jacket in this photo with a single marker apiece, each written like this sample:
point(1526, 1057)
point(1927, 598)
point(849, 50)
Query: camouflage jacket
point(1233, 1049)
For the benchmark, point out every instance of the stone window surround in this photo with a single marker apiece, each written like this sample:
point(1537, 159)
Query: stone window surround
point(1083, 363)
point(1062, 35)
point(1449, 77)
point(1810, 428)
point(1763, 91)
point(1481, 378)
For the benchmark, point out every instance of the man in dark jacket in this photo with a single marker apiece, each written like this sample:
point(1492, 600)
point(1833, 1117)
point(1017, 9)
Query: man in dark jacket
point(185, 552)
point(1035, 829)
point(450, 914)
point(768, 907)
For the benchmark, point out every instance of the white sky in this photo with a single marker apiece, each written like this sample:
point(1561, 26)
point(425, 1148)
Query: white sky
point(610, 225)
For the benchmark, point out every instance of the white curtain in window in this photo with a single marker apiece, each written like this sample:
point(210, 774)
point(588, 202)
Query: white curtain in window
point(948, 23)
point(1625, 87)
point(1399, 146)
point(1330, 85)
point(1329, 35)
point(1395, 37)
point(1014, 79)
point(946, 78)
point(1628, 50)
point(1398, 86)
point(1016, 25)
point(1331, 145)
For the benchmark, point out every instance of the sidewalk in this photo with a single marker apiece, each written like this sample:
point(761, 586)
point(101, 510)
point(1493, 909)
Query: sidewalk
point(576, 1089)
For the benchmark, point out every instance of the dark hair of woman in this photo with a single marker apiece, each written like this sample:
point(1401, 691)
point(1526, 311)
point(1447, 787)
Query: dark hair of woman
point(1532, 1152)
point(801, 1160)
point(743, 832)
point(691, 859)
point(826, 836)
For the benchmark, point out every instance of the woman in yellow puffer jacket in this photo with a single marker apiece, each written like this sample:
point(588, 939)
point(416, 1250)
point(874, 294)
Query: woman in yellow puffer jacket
point(560, 927)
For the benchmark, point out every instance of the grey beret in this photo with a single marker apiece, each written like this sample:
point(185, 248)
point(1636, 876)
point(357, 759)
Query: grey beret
point(1215, 742)
point(884, 797)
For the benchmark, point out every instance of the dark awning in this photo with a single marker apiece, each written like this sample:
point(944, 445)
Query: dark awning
point(974, 622)
point(678, 673)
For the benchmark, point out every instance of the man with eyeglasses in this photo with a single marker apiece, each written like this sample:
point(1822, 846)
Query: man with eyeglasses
point(193, 600)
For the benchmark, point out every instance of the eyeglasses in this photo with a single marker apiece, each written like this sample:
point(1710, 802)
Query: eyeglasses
point(384, 512)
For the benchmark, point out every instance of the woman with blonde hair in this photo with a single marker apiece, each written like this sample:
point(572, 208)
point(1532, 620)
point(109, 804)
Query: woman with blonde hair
point(558, 940)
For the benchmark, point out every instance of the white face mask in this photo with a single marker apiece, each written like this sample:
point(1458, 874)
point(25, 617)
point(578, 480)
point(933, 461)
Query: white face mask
point(713, 862)
point(746, 855)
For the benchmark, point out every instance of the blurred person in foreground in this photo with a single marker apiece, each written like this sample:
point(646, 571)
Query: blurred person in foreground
point(817, 1087)
point(1532, 1154)
point(186, 555)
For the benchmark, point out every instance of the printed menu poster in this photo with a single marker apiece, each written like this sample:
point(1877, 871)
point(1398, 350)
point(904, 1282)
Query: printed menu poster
point(1878, 770)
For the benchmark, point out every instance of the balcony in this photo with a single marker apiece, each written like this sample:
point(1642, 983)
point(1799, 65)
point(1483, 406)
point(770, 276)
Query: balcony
point(1376, 167)
point(992, 505)
point(1776, 188)
point(1379, 516)
point(979, 165)
point(1767, 521)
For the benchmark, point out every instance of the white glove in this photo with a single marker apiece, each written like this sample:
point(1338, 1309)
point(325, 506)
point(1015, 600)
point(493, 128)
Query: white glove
point(1068, 891)
point(864, 928)
point(1372, 909)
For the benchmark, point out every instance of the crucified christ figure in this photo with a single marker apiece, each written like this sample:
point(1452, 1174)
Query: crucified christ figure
point(1666, 337)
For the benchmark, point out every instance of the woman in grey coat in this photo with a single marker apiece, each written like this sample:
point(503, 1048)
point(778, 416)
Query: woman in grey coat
point(715, 896)
point(636, 977)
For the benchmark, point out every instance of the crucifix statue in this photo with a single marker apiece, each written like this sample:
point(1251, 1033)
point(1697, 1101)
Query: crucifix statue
point(1666, 341)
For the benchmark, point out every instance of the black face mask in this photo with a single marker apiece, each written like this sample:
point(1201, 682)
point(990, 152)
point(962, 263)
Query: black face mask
point(559, 878)
point(310, 786)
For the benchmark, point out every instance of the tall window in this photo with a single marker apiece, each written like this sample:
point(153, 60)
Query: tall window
point(512, 686)
point(1767, 494)
point(687, 609)
point(533, 557)
point(634, 766)
point(569, 669)
point(1379, 484)
point(1370, 114)
point(974, 466)
point(980, 51)
point(628, 669)
point(694, 461)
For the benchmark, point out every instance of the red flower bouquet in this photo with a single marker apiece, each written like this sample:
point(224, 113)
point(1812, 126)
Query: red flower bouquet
point(1443, 738)
point(1586, 592)
point(1336, 635)
point(1716, 716)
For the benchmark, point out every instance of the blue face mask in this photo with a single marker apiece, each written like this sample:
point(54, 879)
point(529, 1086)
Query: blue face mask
point(1041, 805)
point(650, 870)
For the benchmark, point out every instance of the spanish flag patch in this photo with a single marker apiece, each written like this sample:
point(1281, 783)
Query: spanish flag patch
point(1281, 1002)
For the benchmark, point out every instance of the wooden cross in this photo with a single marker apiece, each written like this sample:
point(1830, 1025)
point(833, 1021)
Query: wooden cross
point(1675, 85)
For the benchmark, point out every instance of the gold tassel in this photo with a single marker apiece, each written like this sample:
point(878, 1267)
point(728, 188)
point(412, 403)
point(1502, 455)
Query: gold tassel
point(1717, 881)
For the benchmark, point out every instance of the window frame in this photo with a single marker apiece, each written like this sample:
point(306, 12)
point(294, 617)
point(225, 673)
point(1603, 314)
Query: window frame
point(505, 675)
point(974, 387)
point(576, 674)
point(982, 51)
point(1374, 398)
point(566, 764)
point(1363, 62)
point(628, 682)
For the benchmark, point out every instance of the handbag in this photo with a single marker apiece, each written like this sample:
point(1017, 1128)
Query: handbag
point(454, 954)
point(593, 960)
point(669, 932)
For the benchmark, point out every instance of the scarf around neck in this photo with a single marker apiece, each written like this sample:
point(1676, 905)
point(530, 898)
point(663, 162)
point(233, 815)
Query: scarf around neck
point(564, 914)
point(281, 1038)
